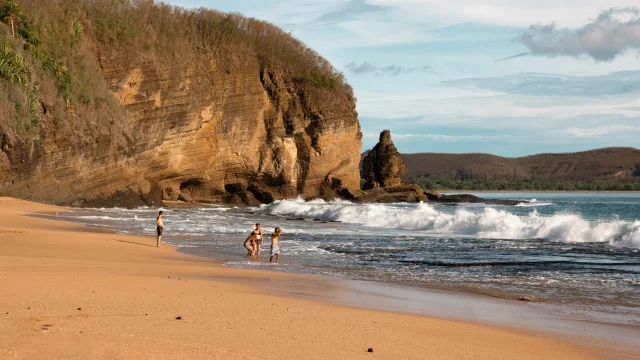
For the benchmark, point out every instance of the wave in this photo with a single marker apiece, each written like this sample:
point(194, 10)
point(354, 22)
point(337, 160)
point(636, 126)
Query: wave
point(534, 203)
point(491, 223)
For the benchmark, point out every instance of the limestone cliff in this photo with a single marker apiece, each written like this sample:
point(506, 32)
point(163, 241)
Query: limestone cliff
point(207, 127)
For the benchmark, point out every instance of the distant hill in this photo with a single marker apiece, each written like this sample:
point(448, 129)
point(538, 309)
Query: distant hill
point(608, 164)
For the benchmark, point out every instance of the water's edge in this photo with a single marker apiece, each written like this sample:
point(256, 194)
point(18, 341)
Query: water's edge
point(451, 303)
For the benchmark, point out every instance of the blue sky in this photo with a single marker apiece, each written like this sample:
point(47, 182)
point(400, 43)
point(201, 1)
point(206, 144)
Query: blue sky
point(509, 77)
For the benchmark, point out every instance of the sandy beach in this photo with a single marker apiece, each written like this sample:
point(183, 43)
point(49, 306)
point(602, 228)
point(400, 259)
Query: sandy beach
point(70, 292)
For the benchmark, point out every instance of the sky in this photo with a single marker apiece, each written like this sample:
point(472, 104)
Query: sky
point(508, 77)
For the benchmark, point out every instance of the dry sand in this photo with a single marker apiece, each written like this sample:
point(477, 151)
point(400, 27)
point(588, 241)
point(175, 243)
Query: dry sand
point(67, 292)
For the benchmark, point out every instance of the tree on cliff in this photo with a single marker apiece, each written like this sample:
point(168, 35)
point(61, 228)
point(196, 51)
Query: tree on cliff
point(10, 13)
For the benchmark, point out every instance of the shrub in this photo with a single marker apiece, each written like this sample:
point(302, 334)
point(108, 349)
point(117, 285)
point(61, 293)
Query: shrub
point(34, 105)
point(12, 65)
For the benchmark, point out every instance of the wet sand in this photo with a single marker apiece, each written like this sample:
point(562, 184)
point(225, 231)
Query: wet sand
point(67, 292)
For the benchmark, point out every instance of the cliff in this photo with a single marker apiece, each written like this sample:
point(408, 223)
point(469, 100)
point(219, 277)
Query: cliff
point(168, 104)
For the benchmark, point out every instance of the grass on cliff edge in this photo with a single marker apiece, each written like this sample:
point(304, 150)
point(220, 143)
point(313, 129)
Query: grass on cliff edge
point(64, 41)
point(166, 34)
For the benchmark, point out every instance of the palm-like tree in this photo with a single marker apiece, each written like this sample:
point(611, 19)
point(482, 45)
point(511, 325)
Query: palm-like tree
point(10, 13)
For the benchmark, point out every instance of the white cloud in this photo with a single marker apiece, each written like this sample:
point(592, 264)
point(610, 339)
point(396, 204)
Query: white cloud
point(394, 70)
point(438, 137)
point(609, 35)
point(601, 130)
point(490, 109)
point(514, 13)
point(540, 84)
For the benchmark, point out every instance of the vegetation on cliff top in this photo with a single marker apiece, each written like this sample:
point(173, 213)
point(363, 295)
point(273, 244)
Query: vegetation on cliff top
point(52, 54)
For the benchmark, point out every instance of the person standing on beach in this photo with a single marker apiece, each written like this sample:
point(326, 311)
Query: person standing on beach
point(159, 228)
point(258, 233)
point(275, 246)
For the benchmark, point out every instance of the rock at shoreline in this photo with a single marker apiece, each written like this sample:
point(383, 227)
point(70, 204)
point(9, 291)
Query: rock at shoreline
point(467, 198)
point(414, 193)
point(383, 166)
point(382, 169)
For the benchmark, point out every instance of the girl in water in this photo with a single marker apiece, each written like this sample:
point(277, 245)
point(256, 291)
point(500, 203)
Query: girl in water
point(258, 238)
point(250, 244)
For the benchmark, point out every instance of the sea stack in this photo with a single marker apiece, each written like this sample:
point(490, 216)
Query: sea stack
point(383, 165)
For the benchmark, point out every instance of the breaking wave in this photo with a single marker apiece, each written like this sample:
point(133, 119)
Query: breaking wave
point(490, 222)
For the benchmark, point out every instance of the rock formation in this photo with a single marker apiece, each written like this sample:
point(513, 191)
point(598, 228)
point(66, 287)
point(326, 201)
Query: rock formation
point(383, 165)
point(205, 128)
point(383, 168)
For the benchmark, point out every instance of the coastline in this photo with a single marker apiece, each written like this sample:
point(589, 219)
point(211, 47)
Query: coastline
point(119, 290)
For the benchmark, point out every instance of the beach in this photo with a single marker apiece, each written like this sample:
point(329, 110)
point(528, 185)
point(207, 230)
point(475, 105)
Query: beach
point(72, 292)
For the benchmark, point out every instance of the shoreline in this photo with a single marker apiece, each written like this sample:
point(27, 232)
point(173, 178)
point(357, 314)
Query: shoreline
point(43, 252)
point(466, 294)
point(456, 300)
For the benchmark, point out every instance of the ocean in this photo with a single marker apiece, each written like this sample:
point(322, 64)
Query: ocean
point(576, 253)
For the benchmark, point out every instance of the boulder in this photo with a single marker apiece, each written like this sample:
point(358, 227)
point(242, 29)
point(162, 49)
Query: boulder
point(383, 165)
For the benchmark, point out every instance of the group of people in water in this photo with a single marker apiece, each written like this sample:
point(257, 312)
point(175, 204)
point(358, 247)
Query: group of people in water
point(253, 243)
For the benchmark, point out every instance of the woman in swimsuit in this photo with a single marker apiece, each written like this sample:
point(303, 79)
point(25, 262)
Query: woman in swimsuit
point(258, 233)
point(159, 228)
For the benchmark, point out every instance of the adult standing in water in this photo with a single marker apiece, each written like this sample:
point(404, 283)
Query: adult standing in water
point(258, 233)
point(159, 228)
point(275, 246)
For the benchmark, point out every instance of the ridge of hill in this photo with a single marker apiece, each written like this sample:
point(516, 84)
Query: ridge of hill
point(607, 164)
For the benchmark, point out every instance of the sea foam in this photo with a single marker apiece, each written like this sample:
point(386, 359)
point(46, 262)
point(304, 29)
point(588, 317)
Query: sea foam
point(490, 222)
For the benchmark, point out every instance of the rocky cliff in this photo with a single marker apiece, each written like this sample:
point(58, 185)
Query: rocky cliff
point(383, 166)
point(194, 124)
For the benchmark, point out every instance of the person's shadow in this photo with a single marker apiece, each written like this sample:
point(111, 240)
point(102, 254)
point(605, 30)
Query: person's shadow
point(131, 242)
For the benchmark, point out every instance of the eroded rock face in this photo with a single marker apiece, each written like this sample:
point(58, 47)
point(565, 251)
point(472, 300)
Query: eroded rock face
point(383, 165)
point(249, 136)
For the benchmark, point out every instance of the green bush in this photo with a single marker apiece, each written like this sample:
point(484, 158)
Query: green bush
point(34, 105)
point(12, 66)
point(322, 81)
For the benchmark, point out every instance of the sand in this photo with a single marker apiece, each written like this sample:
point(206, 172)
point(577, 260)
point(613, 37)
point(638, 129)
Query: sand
point(67, 292)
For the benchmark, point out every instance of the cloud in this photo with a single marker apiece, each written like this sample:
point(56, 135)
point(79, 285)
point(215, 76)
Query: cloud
point(601, 130)
point(443, 137)
point(614, 32)
point(393, 70)
point(536, 84)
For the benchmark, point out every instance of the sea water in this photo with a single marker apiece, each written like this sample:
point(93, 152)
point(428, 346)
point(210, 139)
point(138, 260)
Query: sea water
point(579, 253)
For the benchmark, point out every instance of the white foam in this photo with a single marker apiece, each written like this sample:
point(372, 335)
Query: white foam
point(534, 203)
point(489, 223)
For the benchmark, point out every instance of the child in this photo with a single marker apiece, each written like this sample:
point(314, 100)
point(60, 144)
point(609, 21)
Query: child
point(250, 244)
point(275, 246)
